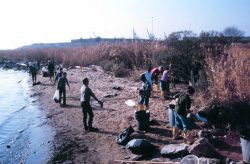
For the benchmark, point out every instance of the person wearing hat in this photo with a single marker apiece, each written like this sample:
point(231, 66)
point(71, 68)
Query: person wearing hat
point(87, 111)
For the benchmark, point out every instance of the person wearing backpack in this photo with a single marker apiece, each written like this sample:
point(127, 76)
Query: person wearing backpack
point(182, 111)
point(61, 86)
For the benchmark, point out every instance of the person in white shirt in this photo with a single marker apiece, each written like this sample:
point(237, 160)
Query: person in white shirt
point(87, 111)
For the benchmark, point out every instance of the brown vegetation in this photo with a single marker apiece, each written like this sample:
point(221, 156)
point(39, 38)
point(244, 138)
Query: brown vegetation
point(229, 74)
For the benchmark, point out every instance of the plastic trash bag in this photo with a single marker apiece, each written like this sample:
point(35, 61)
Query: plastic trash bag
point(130, 103)
point(140, 146)
point(56, 96)
point(124, 137)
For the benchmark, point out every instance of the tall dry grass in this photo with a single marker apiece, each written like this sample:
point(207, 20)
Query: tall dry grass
point(229, 74)
point(110, 56)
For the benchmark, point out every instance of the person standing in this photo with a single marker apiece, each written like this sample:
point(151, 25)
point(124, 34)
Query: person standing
point(33, 71)
point(51, 69)
point(61, 86)
point(58, 75)
point(87, 110)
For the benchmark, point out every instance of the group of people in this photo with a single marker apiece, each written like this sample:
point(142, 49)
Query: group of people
point(183, 101)
point(149, 79)
point(59, 78)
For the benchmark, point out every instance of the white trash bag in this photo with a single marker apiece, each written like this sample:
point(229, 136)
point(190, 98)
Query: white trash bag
point(56, 96)
point(130, 103)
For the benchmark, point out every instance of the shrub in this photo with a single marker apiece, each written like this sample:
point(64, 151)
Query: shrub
point(121, 72)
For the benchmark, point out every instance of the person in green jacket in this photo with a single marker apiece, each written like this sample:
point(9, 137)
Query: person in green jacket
point(182, 111)
point(61, 86)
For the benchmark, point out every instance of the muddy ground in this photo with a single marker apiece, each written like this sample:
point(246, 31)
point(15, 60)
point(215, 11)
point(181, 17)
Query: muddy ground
point(73, 144)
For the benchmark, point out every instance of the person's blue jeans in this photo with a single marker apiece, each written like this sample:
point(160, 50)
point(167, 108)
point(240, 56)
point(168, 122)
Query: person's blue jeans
point(144, 100)
point(182, 122)
point(200, 118)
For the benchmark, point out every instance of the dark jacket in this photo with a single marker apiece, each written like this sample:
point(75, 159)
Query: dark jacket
point(62, 83)
point(183, 104)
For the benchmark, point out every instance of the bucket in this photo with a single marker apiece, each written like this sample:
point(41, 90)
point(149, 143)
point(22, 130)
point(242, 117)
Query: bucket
point(142, 120)
point(171, 117)
point(190, 159)
point(245, 146)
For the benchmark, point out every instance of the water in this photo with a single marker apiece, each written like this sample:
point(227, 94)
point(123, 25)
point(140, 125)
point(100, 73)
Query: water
point(25, 136)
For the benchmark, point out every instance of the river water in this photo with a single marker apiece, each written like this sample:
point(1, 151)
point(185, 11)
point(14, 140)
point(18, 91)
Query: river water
point(25, 136)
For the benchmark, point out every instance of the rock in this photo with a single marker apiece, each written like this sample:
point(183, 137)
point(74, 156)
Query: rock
point(205, 134)
point(203, 160)
point(8, 146)
point(174, 150)
point(202, 148)
point(117, 88)
point(191, 136)
point(141, 146)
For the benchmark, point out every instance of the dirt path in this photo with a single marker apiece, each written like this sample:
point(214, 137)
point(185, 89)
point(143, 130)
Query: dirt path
point(72, 143)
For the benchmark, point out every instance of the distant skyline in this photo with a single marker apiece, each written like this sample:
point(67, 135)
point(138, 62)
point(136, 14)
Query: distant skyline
point(24, 22)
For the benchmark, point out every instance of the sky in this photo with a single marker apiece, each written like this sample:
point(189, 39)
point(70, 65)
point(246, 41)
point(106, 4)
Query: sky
point(24, 22)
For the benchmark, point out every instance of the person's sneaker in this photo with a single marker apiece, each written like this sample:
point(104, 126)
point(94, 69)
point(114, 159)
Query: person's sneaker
point(92, 129)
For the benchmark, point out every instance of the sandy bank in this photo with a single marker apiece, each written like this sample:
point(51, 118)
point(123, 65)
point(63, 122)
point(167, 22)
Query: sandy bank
point(73, 144)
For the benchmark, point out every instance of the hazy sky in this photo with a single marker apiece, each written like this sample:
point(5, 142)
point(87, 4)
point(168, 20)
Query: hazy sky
point(25, 22)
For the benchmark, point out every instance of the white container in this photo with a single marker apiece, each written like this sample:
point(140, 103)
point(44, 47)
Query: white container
point(190, 159)
point(245, 146)
point(171, 117)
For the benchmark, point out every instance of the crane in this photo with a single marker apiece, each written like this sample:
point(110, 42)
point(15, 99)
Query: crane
point(150, 35)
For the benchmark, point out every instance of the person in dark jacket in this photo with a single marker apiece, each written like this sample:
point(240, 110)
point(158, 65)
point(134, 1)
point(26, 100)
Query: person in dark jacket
point(182, 111)
point(61, 86)
point(33, 71)
point(87, 111)
point(51, 69)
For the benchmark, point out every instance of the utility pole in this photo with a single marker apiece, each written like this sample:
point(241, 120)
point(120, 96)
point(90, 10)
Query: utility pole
point(152, 26)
